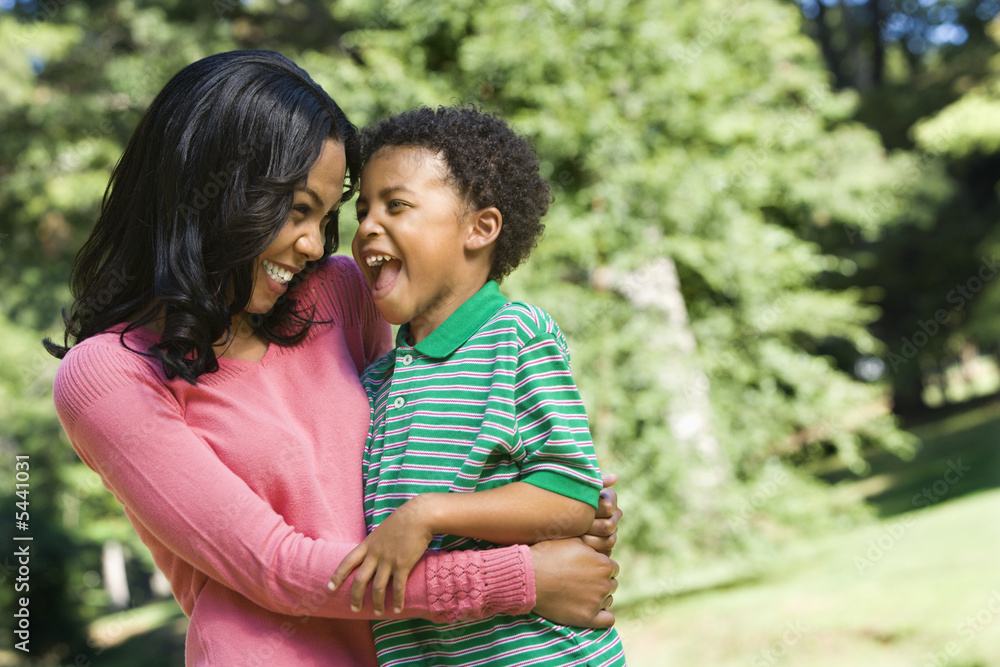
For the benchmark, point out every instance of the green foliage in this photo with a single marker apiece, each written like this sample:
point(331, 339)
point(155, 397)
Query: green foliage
point(706, 133)
point(966, 134)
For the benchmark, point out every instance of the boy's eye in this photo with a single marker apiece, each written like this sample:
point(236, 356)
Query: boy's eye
point(394, 204)
point(362, 212)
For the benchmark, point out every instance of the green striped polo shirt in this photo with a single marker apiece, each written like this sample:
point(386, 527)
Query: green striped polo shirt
point(484, 400)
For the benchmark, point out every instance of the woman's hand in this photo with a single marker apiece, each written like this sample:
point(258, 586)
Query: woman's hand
point(573, 583)
point(603, 533)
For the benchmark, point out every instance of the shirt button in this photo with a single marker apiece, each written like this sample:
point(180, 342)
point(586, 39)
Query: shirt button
point(407, 359)
point(398, 403)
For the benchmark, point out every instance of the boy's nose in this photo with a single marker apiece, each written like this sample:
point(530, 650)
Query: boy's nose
point(367, 227)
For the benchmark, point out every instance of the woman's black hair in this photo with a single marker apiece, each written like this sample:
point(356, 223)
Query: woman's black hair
point(204, 185)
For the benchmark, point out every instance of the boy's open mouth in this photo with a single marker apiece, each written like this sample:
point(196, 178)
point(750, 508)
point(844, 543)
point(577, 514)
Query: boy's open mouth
point(384, 270)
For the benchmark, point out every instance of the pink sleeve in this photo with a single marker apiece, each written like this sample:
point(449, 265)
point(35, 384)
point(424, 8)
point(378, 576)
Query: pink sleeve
point(127, 427)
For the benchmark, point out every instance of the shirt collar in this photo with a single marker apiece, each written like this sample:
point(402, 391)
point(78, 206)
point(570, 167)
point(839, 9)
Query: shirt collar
point(460, 325)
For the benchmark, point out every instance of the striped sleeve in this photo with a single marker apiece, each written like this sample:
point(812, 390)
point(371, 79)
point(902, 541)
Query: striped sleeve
point(552, 422)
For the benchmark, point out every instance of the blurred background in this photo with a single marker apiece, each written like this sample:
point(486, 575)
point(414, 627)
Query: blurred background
point(773, 249)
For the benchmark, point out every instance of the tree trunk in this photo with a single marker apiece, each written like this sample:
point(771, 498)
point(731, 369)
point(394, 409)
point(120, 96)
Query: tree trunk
point(115, 578)
point(687, 410)
point(858, 63)
point(826, 46)
point(878, 45)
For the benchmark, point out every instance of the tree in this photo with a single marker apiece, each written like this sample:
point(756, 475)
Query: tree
point(965, 134)
point(929, 54)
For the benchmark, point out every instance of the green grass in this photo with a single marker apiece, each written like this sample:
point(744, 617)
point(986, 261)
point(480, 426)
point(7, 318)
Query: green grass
point(919, 587)
point(836, 609)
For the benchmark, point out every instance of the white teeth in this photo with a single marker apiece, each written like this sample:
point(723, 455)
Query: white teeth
point(377, 260)
point(278, 274)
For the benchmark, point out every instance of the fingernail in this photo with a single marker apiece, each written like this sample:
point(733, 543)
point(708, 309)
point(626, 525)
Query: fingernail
point(397, 609)
point(378, 613)
point(353, 608)
point(332, 586)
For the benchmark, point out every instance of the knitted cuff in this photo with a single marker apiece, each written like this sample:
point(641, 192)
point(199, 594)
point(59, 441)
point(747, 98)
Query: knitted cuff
point(470, 585)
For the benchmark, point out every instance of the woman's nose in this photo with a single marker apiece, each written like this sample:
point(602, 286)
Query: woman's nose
point(311, 243)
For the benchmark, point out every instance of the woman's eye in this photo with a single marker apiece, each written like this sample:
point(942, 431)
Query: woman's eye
point(302, 208)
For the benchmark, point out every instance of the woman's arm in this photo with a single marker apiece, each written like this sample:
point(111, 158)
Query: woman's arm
point(552, 595)
point(510, 514)
point(174, 487)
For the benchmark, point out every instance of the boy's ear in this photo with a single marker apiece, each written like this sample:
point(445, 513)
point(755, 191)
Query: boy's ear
point(484, 228)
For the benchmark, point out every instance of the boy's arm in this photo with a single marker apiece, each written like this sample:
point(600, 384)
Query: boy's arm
point(516, 513)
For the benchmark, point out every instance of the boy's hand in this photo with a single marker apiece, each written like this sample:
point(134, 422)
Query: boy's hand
point(389, 552)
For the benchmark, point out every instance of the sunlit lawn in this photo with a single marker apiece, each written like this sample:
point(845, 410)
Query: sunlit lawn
point(920, 587)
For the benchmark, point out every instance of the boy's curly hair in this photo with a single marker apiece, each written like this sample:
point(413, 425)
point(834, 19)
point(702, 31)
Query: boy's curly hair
point(489, 165)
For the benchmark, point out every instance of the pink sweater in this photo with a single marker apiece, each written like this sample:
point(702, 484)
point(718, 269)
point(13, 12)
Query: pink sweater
point(247, 487)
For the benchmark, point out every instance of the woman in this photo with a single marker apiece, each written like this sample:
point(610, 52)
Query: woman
point(214, 387)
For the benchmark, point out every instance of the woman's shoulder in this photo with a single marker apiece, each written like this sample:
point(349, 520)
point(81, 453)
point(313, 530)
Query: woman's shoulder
point(337, 290)
point(101, 364)
point(114, 351)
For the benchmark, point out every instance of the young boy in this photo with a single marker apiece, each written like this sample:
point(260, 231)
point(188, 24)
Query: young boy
point(477, 396)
